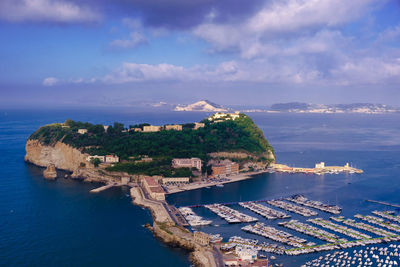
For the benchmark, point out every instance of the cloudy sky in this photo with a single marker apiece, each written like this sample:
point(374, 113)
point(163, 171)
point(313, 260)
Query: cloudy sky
point(123, 52)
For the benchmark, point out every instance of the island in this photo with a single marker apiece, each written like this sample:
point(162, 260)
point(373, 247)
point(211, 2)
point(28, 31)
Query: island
point(155, 160)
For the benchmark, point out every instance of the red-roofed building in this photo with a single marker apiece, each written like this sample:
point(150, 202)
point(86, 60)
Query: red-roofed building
point(153, 188)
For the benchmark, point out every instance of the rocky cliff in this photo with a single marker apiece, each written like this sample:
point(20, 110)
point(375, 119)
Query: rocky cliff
point(63, 156)
point(50, 172)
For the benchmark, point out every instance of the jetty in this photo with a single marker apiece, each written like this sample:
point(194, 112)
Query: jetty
point(102, 188)
point(383, 203)
point(319, 169)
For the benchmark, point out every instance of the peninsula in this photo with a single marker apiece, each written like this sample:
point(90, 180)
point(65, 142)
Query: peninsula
point(158, 159)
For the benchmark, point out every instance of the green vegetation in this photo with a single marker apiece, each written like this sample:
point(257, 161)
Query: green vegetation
point(236, 135)
point(96, 162)
point(156, 167)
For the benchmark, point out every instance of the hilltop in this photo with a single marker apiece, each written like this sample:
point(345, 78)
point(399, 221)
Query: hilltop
point(201, 106)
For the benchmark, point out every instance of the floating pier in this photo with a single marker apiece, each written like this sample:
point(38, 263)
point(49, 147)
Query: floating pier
point(312, 231)
point(275, 234)
point(264, 211)
point(301, 200)
point(387, 215)
point(293, 208)
point(339, 228)
point(230, 215)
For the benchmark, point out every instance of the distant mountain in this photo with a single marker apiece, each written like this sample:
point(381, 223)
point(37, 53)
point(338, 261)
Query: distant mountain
point(298, 107)
point(201, 106)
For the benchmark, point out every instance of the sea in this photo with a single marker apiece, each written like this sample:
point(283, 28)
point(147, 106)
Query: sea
point(59, 223)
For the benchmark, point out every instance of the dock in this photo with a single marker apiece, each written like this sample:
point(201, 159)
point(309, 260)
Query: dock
point(319, 169)
point(383, 203)
point(102, 188)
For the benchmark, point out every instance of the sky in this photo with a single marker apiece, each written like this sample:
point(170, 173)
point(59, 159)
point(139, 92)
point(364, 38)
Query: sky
point(232, 52)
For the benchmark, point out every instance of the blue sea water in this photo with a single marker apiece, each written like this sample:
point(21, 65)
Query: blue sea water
point(59, 223)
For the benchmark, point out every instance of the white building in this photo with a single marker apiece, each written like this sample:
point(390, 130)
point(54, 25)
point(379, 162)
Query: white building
point(246, 253)
point(320, 165)
point(101, 158)
point(82, 131)
point(187, 163)
point(220, 116)
point(112, 159)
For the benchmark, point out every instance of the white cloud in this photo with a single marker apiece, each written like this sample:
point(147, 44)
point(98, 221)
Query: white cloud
point(50, 81)
point(136, 38)
point(226, 71)
point(367, 70)
point(348, 71)
point(390, 34)
point(294, 15)
point(133, 72)
point(282, 22)
point(300, 41)
point(61, 11)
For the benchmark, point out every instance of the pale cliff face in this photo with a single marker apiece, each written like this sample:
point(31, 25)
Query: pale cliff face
point(61, 155)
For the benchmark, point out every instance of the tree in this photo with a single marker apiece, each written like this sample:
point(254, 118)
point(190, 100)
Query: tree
point(119, 127)
point(96, 162)
point(69, 122)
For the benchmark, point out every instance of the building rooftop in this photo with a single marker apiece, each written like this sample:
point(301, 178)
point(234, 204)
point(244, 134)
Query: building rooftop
point(157, 189)
point(150, 181)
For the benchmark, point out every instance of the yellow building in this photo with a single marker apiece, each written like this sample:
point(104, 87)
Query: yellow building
point(187, 163)
point(224, 169)
point(82, 131)
point(176, 127)
point(198, 125)
point(151, 128)
point(153, 188)
point(201, 238)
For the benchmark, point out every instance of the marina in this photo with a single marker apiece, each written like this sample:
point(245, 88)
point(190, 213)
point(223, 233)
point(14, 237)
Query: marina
point(264, 211)
point(312, 231)
point(369, 228)
point(275, 234)
point(192, 218)
point(387, 215)
point(292, 245)
point(299, 199)
point(380, 222)
point(370, 256)
point(293, 208)
point(230, 215)
point(339, 228)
